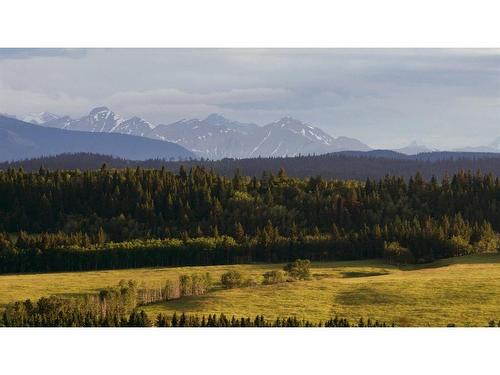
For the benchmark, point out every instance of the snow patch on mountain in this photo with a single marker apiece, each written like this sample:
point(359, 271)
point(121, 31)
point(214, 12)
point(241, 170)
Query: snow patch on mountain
point(215, 136)
point(39, 118)
point(134, 126)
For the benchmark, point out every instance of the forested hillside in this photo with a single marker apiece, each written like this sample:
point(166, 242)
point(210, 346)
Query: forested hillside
point(71, 220)
point(343, 165)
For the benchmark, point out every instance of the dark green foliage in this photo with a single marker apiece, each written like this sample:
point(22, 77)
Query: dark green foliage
point(111, 308)
point(259, 321)
point(139, 319)
point(89, 311)
point(107, 219)
point(342, 165)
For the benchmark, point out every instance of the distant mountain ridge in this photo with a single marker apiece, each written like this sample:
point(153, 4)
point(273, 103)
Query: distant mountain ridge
point(413, 149)
point(22, 140)
point(216, 137)
point(494, 146)
point(346, 165)
point(39, 118)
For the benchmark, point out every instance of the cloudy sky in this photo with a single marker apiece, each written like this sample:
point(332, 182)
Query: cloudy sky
point(385, 98)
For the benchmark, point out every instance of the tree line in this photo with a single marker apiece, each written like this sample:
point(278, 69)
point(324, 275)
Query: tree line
point(213, 320)
point(119, 306)
point(73, 312)
point(106, 219)
point(341, 165)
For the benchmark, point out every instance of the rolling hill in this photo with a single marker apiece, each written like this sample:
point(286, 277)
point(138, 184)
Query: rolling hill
point(21, 140)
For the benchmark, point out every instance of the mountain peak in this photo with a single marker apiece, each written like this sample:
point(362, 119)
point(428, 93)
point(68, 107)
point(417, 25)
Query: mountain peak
point(216, 137)
point(413, 148)
point(39, 118)
point(216, 119)
point(138, 122)
point(289, 120)
point(291, 124)
point(97, 110)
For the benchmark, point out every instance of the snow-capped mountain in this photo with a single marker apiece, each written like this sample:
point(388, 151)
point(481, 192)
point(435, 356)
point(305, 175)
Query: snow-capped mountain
point(216, 137)
point(134, 126)
point(102, 120)
point(291, 137)
point(39, 118)
point(59, 123)
point(413, 149)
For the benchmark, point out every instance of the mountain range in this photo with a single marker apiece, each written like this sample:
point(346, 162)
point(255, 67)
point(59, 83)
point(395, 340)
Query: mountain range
point(22, 140)
point(494, 146)
point(214, 137)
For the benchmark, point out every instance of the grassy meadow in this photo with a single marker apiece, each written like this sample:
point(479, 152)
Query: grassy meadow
point(464, 291)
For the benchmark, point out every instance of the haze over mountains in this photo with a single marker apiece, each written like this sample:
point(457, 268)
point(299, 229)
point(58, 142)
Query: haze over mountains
point(22, 140)
point(413, 149)
point(494, 146)
point(216, 137)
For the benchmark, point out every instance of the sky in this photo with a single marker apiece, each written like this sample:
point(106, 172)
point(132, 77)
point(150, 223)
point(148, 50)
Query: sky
point(387, 98)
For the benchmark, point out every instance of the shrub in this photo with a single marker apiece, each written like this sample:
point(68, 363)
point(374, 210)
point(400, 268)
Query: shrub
point(394, 253)
point(274, 277)
point(249, 282)
point(231, 279)
point(459, 246)
point(200, 284)
point(299, 270)
point(488, 245)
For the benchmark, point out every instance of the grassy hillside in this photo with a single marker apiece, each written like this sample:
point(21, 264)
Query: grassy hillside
point(464, 291)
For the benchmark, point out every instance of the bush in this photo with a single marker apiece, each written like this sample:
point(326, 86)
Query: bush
point(299, 270)
point(274, 277)
point(231, 279)
point(249, 282)
point(394, 253)
point(488, 245)
point(460, 246)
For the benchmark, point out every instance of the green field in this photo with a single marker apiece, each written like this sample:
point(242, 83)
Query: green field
point(464, 291)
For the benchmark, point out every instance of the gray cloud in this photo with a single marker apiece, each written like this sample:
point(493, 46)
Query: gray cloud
point(385, 97)
point(28, 53)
